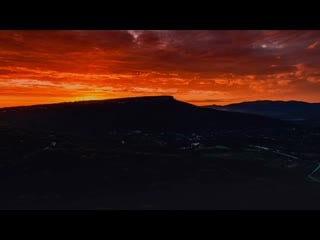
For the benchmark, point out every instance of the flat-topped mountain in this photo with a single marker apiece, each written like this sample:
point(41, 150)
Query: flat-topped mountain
point(152, 113)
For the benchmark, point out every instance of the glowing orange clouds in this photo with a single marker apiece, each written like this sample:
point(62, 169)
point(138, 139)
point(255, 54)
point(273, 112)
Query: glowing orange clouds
point(202, 67)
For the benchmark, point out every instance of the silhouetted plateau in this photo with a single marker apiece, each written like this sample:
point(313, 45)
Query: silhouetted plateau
point(153, 113)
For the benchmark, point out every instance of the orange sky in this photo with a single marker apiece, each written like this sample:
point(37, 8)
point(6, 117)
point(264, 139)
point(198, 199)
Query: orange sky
point(201, 67)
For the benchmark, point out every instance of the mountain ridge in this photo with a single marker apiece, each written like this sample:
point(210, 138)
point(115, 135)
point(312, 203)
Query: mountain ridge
point(161, 97)
point(286, 110)
point(262, 101)
point(151, 112)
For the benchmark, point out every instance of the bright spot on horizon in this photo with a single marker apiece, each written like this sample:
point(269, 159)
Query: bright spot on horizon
point(86, 98)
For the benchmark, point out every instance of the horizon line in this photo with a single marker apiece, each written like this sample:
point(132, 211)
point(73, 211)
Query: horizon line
point(156, 96)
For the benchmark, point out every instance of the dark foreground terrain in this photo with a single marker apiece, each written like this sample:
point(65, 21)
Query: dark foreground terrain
point(154, 153)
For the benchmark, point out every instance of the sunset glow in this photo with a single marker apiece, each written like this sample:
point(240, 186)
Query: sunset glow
point(200, 67)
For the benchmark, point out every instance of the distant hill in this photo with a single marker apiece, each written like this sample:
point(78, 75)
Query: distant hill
point(285, 110)
point(153, 113)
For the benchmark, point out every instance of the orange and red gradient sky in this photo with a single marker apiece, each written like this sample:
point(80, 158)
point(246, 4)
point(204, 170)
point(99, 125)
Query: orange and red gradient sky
point(197, 66)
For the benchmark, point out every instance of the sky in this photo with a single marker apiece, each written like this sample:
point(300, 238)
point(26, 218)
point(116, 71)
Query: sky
point(198, 66)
